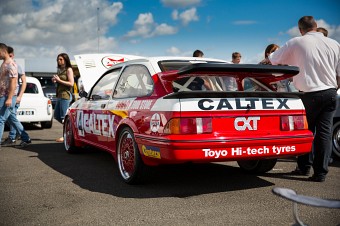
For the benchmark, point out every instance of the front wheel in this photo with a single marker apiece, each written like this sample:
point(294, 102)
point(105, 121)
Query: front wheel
point(336, 138)
point(257, 166)
point(131, 167)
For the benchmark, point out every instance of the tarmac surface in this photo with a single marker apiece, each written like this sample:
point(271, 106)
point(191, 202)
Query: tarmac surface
point(43, 185)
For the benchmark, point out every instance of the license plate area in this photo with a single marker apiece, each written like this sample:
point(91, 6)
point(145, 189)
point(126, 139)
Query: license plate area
point(25, 112)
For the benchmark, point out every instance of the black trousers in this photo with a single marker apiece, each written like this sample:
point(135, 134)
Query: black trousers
point(320, 108)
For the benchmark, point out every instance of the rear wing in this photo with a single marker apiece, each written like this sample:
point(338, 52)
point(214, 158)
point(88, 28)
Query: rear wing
point(256, 69)
point(271, 72)
point(213, 72)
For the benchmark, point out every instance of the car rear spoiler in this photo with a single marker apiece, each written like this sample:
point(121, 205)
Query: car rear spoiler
point(233, 94)
point(267, 72)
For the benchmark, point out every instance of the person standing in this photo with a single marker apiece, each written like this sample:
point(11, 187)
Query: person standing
point(64, 80)
point(269, 49)
point(198, 53)
point(236, 57)
point(323, 31)
point(283, 85)
point(319, 78)
point(8, 91)
point(11, 139)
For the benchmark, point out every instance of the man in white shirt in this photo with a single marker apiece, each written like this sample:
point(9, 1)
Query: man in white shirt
point(318, 59)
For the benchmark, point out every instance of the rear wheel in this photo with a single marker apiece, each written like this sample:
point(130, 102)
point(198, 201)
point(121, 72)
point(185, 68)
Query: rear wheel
point(47, 125)
point(257, 166)
point(68, 136)
point(130, 164)
point(336, 138)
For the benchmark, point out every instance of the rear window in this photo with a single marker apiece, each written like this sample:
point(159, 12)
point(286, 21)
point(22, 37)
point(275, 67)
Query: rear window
point(218, 83)
point(31, 88)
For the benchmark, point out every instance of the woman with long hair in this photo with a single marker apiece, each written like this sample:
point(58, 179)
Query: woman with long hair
point(64, 80)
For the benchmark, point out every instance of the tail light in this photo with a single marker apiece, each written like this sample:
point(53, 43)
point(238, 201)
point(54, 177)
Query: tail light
point(49, 107)
point(293, 122)
point(188, 126)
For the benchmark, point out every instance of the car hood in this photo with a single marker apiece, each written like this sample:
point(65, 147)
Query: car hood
point(92, 66)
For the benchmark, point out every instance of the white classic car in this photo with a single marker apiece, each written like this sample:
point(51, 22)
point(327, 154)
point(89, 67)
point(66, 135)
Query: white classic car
point(34, 106)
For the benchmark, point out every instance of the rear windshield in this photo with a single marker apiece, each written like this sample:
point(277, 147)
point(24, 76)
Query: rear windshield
point(31, 88)
point(218, 83)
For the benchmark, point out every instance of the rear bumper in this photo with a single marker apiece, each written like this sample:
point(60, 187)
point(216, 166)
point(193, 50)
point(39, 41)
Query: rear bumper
point(153, 151)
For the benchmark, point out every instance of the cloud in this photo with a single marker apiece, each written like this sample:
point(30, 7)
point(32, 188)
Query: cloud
point(244, 22)
point(333, 30)
point(185, 17)
point(48, 27)
point(180, 3)
point(173, 51)
point(145, 27)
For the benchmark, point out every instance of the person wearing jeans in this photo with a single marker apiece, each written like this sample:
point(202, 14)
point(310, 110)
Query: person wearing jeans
point(10, 113)
point(8, 91)
point(61, 108)
point(64, 80)
point(12, 136)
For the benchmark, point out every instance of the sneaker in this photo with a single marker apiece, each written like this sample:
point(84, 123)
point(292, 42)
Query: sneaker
point(8, 142)
point(25, 143)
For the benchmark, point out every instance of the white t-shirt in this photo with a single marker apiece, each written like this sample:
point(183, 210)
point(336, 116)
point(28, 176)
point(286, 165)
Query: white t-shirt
point(318, 58)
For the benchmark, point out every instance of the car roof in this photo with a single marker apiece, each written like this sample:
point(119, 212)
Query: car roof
point(32, 80)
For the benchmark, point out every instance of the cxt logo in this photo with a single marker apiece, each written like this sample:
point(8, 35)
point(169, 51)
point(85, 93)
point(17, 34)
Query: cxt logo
point(243, 123)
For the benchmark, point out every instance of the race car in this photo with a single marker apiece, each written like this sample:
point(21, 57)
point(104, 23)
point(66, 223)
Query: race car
point(167, 110)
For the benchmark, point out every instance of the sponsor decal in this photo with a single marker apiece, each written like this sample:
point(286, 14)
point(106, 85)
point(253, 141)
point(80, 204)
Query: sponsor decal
point(131, 105)
point(152, 152)
point(243, 123)
point(141, 104)
point(155, 122)
point(99, 124)
point(249, 151)
point(243, 104)
point(80, 121)
point(109, 61)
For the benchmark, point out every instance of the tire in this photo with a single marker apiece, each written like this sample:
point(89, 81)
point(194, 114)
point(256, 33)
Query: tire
point(68, 137)
point(131, 167)
point(257, 166)
point(336, 138)
point(47, 125)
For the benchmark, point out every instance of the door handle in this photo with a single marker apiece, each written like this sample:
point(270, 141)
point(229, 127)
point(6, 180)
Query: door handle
point(103, 106)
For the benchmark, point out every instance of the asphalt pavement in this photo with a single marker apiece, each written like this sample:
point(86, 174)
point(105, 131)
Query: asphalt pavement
point(43, 185)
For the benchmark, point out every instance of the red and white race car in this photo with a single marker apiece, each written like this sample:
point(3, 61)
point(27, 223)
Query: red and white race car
point(162, 110)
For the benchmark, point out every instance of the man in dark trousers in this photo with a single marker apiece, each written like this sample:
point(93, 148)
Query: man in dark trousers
point(318, 59)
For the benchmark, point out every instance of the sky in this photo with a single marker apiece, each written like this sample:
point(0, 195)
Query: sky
point(41, 29)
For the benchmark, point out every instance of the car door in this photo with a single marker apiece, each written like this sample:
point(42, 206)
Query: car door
point(130, 103)
point(95, 119)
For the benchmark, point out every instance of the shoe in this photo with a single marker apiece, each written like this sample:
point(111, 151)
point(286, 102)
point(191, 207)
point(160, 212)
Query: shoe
point(299, 172)
point(316, 178)
point(8, 142)
point(60, 140)
point(25, 143)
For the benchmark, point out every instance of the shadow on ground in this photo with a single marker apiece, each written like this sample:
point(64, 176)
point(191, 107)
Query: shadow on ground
point(96, 171)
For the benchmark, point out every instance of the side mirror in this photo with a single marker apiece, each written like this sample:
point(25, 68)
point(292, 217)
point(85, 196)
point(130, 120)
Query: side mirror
point(82, 94)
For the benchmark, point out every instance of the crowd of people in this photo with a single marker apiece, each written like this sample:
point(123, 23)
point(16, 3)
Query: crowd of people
point(12, 87)
point(314, 53)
